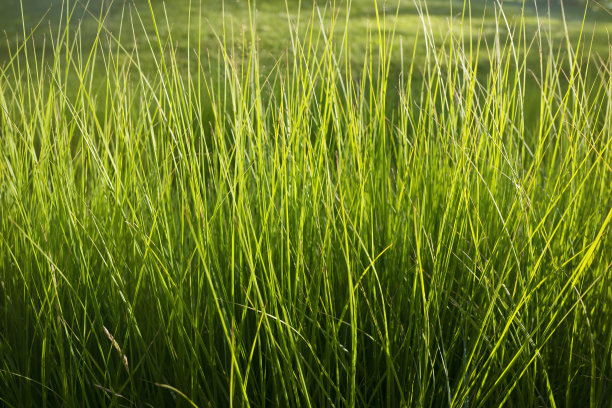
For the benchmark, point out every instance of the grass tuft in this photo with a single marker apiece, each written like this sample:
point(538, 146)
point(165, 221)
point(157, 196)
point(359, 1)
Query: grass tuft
point(391, 221)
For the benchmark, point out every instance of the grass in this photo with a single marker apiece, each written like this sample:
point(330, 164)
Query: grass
point(343, 227)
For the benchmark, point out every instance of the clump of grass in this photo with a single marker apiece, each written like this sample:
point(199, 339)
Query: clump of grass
point(319, 233)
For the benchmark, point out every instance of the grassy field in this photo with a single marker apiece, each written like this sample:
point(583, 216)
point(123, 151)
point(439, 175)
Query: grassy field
point(305, 204)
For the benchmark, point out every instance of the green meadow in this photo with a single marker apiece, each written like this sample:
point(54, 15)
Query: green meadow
point(305, 203)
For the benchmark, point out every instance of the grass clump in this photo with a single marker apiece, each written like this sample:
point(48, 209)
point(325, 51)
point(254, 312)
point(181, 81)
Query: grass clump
point(325, 231)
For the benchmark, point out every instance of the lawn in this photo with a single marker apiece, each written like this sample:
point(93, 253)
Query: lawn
point(292, 203)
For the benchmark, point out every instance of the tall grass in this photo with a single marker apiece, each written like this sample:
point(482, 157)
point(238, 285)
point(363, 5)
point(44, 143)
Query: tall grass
point(320, 232)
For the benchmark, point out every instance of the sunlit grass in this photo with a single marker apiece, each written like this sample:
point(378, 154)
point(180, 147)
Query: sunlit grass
point(340, 227)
